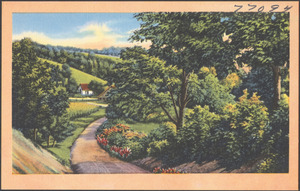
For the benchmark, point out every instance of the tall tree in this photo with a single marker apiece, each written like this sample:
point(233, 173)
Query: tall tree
point(186, 41)
point(31, 82)
point(264, 41)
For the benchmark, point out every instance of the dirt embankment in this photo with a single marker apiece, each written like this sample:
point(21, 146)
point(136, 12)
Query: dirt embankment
point(214, 166)
point(28, 158)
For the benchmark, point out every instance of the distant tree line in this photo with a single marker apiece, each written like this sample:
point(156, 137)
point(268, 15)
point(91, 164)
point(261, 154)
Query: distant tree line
point(86, 62)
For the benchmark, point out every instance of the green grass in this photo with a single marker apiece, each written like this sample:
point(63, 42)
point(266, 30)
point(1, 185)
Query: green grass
point(62, 149)
point(144, 127)
point(79, 76)
point(105, 57)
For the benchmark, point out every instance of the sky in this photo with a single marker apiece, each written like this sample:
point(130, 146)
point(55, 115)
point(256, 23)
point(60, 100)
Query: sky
point(82, 30)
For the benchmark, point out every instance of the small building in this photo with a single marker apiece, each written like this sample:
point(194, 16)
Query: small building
point(84, 90)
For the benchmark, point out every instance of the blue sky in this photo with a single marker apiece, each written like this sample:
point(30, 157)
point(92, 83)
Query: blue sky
point(83, 30)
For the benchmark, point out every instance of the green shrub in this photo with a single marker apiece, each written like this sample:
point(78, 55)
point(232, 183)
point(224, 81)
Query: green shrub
point(116, 138)
point(196, 136)
point(158, 148)
point(276, 147)
point(138, 150)
point(247, 125)
point(165, 131)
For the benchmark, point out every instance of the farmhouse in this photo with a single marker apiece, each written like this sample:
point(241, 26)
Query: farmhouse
point(84, 90)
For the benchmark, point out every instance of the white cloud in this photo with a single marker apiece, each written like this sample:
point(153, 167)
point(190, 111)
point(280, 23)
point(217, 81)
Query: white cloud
point(92, 35)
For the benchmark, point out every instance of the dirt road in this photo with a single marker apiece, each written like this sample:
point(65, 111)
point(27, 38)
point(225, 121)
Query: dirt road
point(87, 157)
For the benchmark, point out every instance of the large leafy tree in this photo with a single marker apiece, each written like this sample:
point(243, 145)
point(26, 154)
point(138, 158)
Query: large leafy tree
point(30, 85)
point(141, 82)
point(186, 41)
point(263, 39)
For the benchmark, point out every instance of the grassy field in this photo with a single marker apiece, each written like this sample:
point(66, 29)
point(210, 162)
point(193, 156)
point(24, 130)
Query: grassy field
point(143, 127)
point(62, 149)
point(105, 57)
point(79, 76)
point(80, 108)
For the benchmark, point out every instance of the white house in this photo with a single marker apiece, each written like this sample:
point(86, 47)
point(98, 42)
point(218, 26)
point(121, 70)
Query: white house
point(84, 90)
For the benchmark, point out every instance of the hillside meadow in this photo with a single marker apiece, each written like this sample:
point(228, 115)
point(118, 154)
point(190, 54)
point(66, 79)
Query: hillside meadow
point(79, 76)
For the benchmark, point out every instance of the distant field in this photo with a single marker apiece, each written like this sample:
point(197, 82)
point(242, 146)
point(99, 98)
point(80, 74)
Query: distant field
point(114, 58)
point(79, 76)
point(81, 109)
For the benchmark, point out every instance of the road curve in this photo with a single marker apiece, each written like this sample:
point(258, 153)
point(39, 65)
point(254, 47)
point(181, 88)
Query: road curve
point(87, 157)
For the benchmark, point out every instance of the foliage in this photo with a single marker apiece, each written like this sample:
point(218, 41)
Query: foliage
point(62, 148)
point(263, 40)
point(208, 90)
point(247, 125)
point(138, 149)
point(79, 76)
point(96, 87)
point(30, 85)
point(196, 138)
point(232, 81)
point(139, 90)
point(157, 148)
point(97, 65)
point(276, 147)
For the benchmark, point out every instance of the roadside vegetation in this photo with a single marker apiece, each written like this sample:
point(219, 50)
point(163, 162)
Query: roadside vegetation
point(82, 114)
point(222, 84)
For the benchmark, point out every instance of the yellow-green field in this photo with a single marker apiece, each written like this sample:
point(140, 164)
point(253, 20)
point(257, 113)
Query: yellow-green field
point(79, 76)
point(81, 108)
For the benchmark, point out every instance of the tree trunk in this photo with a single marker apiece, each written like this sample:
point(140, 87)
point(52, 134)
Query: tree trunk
point(182, 99)
point(48, 141)
point(53, 143)
point(277, 85)
point(35, 133)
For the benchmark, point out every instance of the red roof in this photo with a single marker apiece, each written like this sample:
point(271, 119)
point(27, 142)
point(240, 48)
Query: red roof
point(84, 87)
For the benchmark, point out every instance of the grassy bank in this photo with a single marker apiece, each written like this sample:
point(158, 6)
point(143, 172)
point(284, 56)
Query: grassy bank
point(62, 149)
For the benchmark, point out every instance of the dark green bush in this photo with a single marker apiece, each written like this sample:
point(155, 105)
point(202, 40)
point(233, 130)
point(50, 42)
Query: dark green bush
point(138, 150)
point(116, 138)
point(196, 136)
point(276, 147)
point(158, 148)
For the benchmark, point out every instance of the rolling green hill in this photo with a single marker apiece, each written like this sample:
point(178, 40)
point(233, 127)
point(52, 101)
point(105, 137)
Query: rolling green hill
point(79, 76)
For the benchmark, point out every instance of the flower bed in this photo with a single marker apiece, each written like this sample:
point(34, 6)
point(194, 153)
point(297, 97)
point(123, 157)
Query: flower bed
point(115, 150)
point(159, 170)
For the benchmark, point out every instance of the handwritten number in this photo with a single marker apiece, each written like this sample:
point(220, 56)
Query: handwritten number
point(253, 6)
point(287, 8)
point(261, 9)
point(240, 6)
point(274, 7)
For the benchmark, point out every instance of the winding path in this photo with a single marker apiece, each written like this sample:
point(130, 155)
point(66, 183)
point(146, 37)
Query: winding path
point(87, 157)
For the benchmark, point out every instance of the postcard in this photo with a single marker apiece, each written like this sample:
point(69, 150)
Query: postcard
point(150, 95)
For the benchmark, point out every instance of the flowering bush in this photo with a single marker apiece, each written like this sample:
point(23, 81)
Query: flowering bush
point(159, 170)
point(102, 141)
point(118, 151)
point(133, 134)
point(117, 128)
